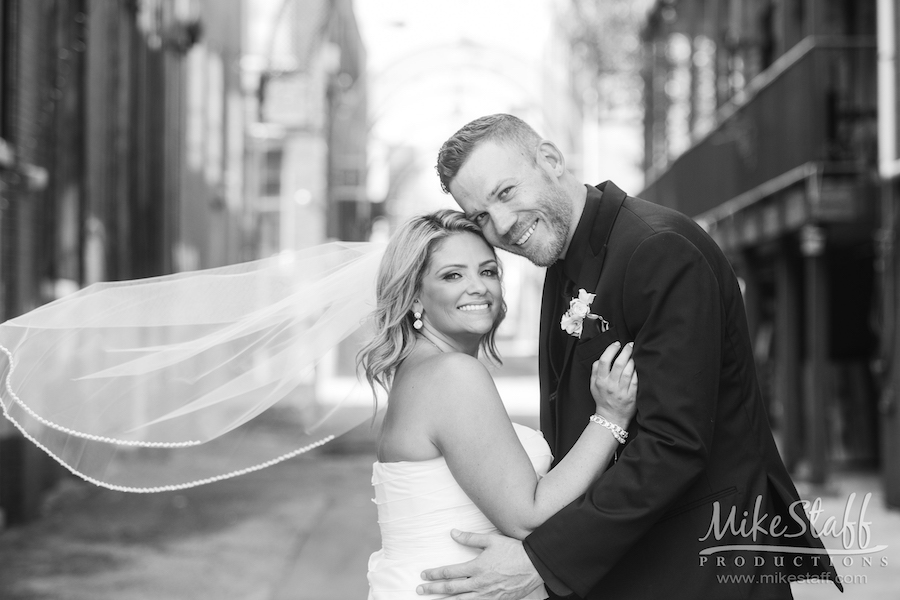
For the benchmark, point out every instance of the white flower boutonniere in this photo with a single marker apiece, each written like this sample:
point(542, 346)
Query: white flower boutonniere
point(579, 309)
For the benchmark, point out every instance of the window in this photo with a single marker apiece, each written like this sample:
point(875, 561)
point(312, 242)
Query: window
point(270, 180)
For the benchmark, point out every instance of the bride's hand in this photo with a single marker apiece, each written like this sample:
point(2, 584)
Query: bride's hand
point(614, 384)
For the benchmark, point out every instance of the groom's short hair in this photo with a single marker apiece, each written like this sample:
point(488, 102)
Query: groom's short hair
point(499, 128)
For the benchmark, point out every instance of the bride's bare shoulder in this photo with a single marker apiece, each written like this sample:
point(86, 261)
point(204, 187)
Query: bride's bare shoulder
point(449, 364)
point(434, 395)
point(447, 374)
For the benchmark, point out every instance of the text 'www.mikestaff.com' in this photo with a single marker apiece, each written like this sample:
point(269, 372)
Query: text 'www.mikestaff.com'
point(783, 578)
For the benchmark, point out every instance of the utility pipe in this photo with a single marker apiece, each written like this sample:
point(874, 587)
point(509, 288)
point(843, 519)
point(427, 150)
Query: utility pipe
point(888, 161)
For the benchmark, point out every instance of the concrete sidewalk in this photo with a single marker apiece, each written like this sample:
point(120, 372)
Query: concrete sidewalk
point(866, 570)
point(301, 530)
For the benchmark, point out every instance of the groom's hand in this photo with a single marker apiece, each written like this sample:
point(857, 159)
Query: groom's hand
point(501, 572)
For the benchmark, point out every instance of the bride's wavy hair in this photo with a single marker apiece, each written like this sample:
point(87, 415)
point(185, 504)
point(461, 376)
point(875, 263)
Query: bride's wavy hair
point(399, 280)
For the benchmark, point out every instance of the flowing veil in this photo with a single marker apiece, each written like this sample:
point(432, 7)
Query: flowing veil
point(182, 363)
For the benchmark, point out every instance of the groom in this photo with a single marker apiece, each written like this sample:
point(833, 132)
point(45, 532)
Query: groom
point(700, 449)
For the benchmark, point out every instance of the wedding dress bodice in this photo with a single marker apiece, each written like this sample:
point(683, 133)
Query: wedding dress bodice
point(418, 504)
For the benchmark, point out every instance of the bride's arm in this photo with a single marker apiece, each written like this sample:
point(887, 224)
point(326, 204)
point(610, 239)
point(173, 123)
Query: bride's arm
point(469, 425)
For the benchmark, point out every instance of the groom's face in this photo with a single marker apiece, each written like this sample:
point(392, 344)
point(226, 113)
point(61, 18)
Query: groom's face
point(517, 203)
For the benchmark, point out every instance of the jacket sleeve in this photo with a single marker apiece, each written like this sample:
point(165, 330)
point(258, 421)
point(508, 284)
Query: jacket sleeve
point(673, 306)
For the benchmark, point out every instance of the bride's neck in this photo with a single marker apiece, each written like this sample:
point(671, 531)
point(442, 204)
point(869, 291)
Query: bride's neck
point(446, 343)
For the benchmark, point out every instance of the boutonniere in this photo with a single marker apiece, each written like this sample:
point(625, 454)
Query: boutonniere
point(579, 309)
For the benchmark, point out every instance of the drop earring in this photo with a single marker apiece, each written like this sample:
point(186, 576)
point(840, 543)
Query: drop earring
point(417, 324)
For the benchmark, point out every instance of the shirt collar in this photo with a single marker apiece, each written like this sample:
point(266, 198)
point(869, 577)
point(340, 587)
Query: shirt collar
point(580, 246)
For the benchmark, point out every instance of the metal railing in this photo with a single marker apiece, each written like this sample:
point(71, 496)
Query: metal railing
point(816, 104)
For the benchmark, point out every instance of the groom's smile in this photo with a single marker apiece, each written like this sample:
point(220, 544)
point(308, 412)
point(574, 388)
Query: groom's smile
point(527, 235)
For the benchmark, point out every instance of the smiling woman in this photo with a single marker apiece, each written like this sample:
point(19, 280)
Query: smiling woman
point(407, 262)
point(448, 455)
point(460, 298)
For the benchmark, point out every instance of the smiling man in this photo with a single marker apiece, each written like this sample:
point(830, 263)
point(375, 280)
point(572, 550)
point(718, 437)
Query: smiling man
point(701, 436)
point(521, 208)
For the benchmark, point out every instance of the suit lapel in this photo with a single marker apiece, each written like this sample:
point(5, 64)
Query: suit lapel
point(549, 359)
point(611, 202)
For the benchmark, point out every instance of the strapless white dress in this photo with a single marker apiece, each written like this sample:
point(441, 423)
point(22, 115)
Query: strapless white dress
point(418, 504)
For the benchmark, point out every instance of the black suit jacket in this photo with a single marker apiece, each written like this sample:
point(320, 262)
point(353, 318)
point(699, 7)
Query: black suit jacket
point(701, 433)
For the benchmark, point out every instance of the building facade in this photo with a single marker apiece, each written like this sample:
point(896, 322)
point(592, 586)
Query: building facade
point(761, 122)
point(305, 86)
point(117, 128)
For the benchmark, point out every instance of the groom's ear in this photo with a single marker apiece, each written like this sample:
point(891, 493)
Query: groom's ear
point(550, 158)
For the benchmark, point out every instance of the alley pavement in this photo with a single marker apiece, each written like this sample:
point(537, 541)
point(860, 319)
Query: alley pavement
point(303, 530)
point(299, 530)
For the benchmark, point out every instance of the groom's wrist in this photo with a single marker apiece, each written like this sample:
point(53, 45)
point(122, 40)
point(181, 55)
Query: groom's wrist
point(550, 580)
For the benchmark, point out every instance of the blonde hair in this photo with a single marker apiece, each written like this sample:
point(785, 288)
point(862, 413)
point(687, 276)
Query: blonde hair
point(406, 259)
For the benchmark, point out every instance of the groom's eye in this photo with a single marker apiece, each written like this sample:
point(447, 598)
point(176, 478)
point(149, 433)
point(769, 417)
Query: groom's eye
point(504, 193)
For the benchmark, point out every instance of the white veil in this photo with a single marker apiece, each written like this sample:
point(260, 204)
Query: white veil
point(165, 364)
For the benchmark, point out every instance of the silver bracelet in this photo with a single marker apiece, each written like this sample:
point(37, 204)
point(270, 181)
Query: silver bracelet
point(620, 434)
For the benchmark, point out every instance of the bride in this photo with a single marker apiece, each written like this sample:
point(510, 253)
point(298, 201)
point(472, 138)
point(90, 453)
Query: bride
point(448, 455)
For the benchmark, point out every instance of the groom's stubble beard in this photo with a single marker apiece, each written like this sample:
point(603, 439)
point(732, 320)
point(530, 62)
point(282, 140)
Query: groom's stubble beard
point(557, 208)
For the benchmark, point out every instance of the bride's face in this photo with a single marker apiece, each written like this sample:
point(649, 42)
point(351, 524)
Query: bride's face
point(460, 294)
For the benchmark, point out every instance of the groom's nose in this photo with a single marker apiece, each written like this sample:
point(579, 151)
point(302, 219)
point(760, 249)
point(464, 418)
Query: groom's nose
point(503, 220)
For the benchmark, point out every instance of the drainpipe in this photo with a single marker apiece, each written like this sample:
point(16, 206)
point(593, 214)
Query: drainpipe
point(888, 162)
point(889, 171)
point(815, 392)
